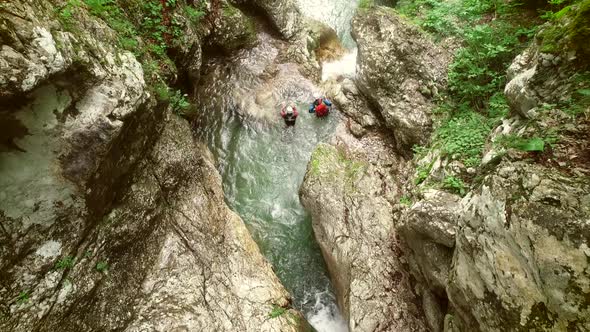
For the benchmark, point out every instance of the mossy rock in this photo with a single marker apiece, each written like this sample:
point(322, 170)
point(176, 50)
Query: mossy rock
point(233, 30)
point(570, 32)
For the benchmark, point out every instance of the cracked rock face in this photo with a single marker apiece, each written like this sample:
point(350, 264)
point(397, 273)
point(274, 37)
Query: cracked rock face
point(350, 191)
point(284, 14)
point(519, 240)
point(399, 71)
point(522, 254)
point(111, 216)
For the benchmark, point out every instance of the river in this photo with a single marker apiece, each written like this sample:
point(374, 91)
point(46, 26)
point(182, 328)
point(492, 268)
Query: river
point(263, 163)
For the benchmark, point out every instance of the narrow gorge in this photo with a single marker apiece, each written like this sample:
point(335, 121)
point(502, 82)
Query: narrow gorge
point(148, 182)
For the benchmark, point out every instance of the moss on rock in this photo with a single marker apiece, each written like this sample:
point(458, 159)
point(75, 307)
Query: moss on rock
point(571, 31)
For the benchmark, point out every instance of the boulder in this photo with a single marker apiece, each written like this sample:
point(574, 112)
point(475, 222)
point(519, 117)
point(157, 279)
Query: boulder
point(349, 190)
point(231, 31)
point(521, 258)
point(284, 14)
point(428, 227)
point(397, 63)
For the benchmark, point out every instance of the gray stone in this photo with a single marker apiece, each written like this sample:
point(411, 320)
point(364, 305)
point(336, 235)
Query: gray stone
point(350, 193)
point(433, 312)
point(112, 216)
point(284, 14)
point(394, 57)
point(521, 257)
point(518, 93)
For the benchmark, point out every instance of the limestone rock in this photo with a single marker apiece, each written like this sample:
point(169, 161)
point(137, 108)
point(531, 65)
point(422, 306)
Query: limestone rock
point(112, 217)
point(232, 30)
point(349, 191)
point(395, 61)
point(429, 229)
point(284, 14)
point(522, 254)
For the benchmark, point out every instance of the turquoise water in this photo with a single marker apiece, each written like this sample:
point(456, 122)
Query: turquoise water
point(262, 162)
point(262, 166)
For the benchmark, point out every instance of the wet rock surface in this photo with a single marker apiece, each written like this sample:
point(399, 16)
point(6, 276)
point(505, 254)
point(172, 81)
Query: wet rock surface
point(112, 216)
point(284, 14)
point(351, 191)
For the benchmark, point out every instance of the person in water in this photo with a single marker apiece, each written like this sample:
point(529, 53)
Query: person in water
point(289, 114)
point(321, 107)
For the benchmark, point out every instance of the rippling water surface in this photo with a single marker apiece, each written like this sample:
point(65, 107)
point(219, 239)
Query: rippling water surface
point(263, 163)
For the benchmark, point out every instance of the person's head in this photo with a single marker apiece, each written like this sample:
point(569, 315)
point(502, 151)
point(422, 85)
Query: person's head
point(289, 110)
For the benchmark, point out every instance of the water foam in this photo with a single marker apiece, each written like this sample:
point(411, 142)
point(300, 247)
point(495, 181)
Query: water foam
point(325, 316)
point(345, 66)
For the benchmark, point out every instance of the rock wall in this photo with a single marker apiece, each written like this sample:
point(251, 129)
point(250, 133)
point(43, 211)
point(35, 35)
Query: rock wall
point(112, 216)
point(350, 192)
point(284, 14)
point(511, 255)
point(399, 71)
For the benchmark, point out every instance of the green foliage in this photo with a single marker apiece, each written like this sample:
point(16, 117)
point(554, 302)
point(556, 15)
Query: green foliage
point(498, 106)
point(535, 144)
point(23, 297)
point(422, 172)
point(405, 200)
point(463, 135)
point(365, 4)
point(478, 70)
point(65, 13)
point(179, 102)
point(419, 151)
point(277, 311)
point(194, 14)
point(65, 263)
point(476, 77)
point(455, 185)
point(102, 266)
point(569, 30)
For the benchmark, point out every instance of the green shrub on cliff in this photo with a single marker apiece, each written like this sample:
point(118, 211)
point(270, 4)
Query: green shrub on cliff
point(570, 30)
point(365, 4)
point(463, 135)
point(148, 28)
point(491, 34)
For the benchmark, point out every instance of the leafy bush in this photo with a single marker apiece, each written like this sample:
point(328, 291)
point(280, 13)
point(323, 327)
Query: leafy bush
point(478, 71)
point(66, 13)
point(194, 14)
point(65, 263)
point(455, 185)
point(535, 144)
point(179, 102)
point(463, 136)
point(422, 172)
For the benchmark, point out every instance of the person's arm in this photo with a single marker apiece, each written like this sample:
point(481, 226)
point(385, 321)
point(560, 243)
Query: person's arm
point(295, 113)
point(283, 113)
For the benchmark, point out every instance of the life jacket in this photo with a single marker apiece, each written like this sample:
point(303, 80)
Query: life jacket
point(321, 110)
